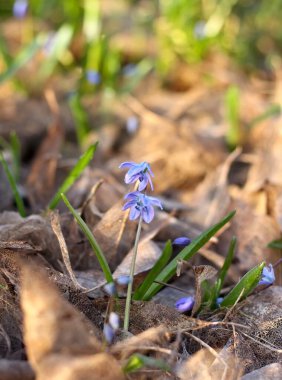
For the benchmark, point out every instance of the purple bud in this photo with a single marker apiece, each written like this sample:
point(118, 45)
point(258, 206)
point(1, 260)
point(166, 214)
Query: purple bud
point(132, 124)
point(218, 301)
point(268, 276)
point(93, 76)
point(110, 289)
point(123, 280)
point(108, 333)
point(183, 240)
point(114, 321)
point(20, 8)
point(185, 304)
point(129, 70)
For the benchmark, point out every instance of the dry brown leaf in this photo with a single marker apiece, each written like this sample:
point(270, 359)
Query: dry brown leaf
point(40, 182)
point(121, 236)
point(51, 324)
point(253, 232)
point(101, 366)
point(15, 370)
point(201, 273)
point(55, 223)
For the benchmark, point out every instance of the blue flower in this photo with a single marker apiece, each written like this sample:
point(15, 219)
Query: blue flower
point(183, 240)
point(219, 301)
point(141, 204)
point(268, 276)
point(185, 304)
point(20, 8)
point(138, 172)
point(108, 332)
point(110, 289)
point(93, 76)
point(114, 321)
point(123, 279)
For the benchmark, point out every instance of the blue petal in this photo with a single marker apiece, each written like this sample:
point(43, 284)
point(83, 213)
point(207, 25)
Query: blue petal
point(129, 204)
point(110, 289)
point(143, 184)
point(148, 213)
point(185, 304)
point(134, 213)
point(131, 178)
point(138, 168)
point(183, 240)
point(114, 320)
point(126, 164)
point(133, 195)
point(123, 280)
point(154, 201)
point(108, 333)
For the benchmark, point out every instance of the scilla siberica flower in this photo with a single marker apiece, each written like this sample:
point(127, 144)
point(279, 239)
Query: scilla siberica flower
point(138, 172)
point(185, 304)
point(141, 204)
point(268, 276)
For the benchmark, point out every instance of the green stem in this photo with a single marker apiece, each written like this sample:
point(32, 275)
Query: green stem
point(131, 275)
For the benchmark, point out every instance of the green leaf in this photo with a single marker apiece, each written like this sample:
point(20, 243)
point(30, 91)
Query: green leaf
point(58, 47)
point(223, 271)
point(277, 244)
point(81, 164)
point(95, 246)
point(138, 361)
point(186, 254)
point(159, 265)
point(80, 118)
point(12, 182)
point(244, 287)
point(21, 59)
point(16, 152)
point(273, 110)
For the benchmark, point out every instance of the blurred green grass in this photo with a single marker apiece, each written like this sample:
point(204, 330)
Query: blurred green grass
point(180, 30)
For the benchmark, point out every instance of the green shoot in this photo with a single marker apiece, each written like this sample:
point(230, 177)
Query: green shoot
point(232, 104)
point(186, 254)
point(244, 287)
point(138, 361)
point(81, 164)
point(13, 185)
point(94, 245)
point(81, 121)
point(159, 265)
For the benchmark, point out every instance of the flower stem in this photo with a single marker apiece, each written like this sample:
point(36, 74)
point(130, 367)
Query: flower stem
point(131, 275)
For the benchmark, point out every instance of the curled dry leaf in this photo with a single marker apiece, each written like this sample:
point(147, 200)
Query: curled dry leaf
point(201, 273)
point(51, 324)
point(33, 230)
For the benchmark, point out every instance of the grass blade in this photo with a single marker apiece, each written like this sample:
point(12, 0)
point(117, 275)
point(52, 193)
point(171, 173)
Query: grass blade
point(81, 164)
point(244, 287)
point(159, 265)
point(227, 262)
point(186, 254)
point(21, 59)
point(12, 182)
point(222, 273)
point(277, 244)
point(94, 245)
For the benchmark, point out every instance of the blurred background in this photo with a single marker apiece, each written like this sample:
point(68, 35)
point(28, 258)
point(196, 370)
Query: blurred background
point(91, 53)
